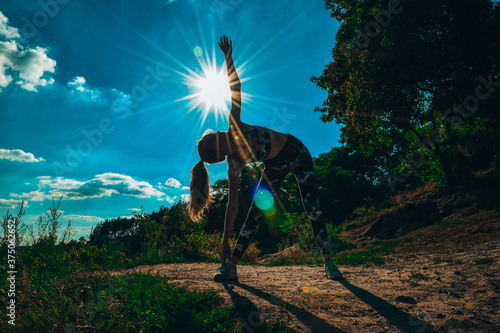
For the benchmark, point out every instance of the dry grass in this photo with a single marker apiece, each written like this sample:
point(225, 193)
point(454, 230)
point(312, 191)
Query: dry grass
point(483, 172)
point(403, 197)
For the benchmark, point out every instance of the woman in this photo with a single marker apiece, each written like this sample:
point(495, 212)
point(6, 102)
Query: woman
point(242, 144)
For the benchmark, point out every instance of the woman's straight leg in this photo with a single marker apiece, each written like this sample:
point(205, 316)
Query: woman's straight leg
point(306, 180)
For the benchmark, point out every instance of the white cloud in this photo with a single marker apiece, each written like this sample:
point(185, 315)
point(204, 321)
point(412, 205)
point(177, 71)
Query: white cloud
point(120, 100)
point(18, 155)
point(22, 65)
point(103, 185)
point(126, 185)
point(28, 67)
point(81, 232)
point(25, 66)
point(5, 30)
point(185, 197)
point(77, 81)
point(10, 203)
point(185, 188)
point(81, 91)
point(170, 200)
point(59, 183)
point(83, 218)
point(31, 196)
point(172, 182)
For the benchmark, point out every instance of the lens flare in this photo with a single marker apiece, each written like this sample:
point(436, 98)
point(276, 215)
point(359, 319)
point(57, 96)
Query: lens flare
point(264, 200)
point(198, 51)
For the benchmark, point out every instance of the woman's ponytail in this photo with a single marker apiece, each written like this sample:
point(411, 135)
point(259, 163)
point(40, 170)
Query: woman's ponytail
point(200, 191)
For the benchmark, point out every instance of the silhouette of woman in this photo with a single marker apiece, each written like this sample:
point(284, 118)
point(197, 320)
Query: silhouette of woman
point(242, 144)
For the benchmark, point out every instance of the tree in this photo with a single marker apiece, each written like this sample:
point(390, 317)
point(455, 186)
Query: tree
point(347, 180)
point(404, 84)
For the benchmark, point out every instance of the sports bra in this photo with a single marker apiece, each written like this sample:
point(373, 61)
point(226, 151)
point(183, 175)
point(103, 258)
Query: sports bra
point(251, 146)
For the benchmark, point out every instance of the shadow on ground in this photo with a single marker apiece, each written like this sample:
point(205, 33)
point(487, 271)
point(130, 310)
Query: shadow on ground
point(396, 317)
point(250, 316)
point(251, 320)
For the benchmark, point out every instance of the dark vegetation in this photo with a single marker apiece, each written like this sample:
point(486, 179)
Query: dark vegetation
point(406, 94)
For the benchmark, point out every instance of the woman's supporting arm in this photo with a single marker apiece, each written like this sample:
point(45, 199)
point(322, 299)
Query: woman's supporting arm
point(231, 212)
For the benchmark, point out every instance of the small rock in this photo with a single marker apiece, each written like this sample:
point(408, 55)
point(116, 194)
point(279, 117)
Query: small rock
point(406, 299)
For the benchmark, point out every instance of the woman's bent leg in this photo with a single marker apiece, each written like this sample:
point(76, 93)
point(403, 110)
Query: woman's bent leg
point(272, 177)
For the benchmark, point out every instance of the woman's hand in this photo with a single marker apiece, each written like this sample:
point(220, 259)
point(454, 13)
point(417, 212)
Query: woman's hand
point(226, 45)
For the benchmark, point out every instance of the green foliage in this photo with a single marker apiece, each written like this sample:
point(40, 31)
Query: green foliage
point(403, 81)
point(91, 257)
point(364, 211)
point(358, 258)
point(296, 229)
point(54, 293)
point(415, 275)
point(347, 180)
point(149, 303)
point(118, 304)
point(484, 189)
point(42, 256)
point(19, 228)
point(374, 253)
point(486, 260)
point(449, 223)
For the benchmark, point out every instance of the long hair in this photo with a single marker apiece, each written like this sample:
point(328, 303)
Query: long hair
point(200, 191)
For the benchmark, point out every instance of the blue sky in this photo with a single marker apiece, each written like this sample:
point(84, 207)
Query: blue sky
point(93, 95)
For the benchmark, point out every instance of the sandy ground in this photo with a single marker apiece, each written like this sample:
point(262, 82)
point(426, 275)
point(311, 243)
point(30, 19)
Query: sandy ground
point(438, 292)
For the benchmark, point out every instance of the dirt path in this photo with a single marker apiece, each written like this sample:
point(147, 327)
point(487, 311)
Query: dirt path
point(447, 293)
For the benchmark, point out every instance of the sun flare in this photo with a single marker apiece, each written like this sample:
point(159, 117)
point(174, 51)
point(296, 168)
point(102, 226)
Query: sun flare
point(213, 89)
point(209, 86)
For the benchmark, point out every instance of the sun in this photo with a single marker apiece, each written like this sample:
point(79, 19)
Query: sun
point(213, 89)
point(209, 86)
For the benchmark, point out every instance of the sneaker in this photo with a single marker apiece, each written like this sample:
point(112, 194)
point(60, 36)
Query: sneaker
point(225, 273)
point(332, 272)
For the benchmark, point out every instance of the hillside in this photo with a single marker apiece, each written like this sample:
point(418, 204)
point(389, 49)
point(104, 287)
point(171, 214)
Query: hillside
point(441, 277)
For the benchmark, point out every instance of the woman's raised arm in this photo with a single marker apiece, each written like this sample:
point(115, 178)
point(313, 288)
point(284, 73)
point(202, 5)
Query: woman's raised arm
point(226, 47)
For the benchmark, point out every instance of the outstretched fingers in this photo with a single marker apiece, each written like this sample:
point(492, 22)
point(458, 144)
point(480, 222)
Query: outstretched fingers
point(225, 44)
point(222, 41)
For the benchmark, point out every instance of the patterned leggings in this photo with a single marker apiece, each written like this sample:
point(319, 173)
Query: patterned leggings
point(293, 157)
